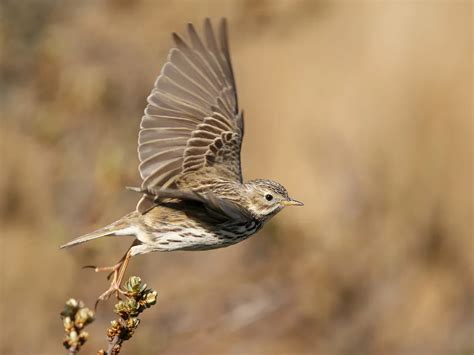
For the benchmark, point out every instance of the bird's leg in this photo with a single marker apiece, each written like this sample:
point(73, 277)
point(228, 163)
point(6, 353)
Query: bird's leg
point(117, 276)
point(114, 268)
point(117, 273)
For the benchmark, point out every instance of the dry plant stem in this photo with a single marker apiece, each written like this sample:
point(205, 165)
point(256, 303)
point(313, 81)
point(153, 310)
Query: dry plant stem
point(138, 298)
point(115, 345)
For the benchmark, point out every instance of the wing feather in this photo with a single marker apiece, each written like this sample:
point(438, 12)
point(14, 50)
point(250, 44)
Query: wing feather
point(220, 208)
point(183, 80)
point(167, 121)
point(192, 121)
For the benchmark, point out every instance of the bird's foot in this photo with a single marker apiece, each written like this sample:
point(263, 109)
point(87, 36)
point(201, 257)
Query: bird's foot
point(117, 272)
point(114, 288)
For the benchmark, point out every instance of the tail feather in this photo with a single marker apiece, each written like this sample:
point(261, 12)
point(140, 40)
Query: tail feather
point(121, 227)
point(86, 237)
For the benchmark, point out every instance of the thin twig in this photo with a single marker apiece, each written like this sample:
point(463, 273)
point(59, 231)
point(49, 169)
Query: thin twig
point(75, 317)
point(138, 298)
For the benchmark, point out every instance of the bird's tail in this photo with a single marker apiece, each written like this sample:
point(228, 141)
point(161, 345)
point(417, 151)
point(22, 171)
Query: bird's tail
point(121, 227)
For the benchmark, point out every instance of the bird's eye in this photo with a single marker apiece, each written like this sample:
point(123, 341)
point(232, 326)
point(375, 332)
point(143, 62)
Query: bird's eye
point(268, 197)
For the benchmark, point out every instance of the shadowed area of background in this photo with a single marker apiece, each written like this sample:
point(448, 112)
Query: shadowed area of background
point(361, 109)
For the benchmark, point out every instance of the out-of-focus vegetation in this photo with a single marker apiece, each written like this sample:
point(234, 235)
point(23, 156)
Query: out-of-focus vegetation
point(362, 109)
point(75, 316)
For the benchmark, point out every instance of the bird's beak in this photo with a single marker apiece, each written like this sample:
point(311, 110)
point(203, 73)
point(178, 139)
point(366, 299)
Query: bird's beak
point(292, 202)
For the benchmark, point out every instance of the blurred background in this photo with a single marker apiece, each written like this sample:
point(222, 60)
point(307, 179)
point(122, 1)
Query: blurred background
point(362, 109)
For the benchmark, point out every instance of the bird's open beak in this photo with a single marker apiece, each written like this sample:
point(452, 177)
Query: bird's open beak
point(292, 202)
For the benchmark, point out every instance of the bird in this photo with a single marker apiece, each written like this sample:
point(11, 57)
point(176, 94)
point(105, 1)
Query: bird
point(192, 195)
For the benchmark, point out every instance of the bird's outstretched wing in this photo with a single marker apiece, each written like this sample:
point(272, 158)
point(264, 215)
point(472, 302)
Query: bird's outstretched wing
point(192, 122)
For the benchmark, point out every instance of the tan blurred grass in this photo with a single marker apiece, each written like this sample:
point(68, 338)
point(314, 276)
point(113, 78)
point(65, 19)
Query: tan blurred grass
point(362, 109)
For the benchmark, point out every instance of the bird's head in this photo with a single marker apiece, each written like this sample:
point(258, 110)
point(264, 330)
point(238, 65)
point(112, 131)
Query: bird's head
point(266, 198)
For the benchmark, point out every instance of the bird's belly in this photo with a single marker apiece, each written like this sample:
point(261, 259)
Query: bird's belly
point(200, 238)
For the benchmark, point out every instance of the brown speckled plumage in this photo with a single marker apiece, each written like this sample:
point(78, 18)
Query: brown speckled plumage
point(193, 195)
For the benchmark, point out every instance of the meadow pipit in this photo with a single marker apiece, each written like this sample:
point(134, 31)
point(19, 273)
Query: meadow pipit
point(193, 196)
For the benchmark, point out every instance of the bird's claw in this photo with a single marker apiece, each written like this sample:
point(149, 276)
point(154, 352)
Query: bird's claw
point(113, 269)
point(113, 289)
point(116, 272)
point(89, 267)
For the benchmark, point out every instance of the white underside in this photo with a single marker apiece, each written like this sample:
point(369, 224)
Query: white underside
point(197, 238)
point(132, 230)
